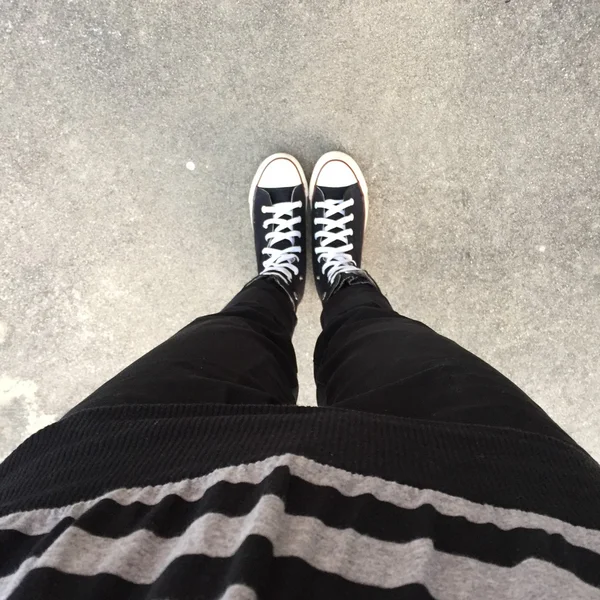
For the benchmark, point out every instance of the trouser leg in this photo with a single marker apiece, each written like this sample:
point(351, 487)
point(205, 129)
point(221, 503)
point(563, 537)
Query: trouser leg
point(369, 357)
point(241, 355)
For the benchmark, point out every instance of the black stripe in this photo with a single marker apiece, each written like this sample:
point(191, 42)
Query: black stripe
point(51, 584)
point(202, 577)
point(15, 546)
point(484, 542)
point(173, 515)
point(365, 514)
point(93, 451)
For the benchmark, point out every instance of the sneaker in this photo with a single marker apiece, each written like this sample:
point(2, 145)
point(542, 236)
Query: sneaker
point(339, 210)
point(277, 210)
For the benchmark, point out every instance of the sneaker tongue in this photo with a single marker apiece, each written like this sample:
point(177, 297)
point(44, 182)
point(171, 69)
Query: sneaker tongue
point(334, 193)
point(280, 194)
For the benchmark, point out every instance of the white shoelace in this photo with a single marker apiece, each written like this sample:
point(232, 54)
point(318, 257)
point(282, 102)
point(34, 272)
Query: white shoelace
point(335, 259)
point(281, 262)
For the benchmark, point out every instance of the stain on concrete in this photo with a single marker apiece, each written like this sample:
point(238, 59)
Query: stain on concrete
point(4, 331)
point(20, 412)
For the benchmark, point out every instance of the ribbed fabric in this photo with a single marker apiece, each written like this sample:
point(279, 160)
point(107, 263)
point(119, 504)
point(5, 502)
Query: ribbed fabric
point(96, 450)
point(191, 474)
point(114, 503)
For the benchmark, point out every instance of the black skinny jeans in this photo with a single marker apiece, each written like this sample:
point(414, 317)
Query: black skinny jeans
point(368, 358)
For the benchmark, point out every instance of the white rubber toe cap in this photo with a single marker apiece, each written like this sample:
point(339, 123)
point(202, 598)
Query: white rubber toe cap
point(280, 173)
point(336, 174)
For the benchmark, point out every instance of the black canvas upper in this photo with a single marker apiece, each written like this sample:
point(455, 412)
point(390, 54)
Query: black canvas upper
point(269, 197)
point(357, 226)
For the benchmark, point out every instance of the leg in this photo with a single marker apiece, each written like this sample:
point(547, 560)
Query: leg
point(368, 356)
point(371, 358)
point(243, 354)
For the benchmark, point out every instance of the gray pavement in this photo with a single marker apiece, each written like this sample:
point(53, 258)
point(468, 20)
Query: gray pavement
point(477, 123)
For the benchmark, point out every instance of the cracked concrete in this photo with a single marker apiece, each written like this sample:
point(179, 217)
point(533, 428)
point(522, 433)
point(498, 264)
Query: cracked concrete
point(476, 123)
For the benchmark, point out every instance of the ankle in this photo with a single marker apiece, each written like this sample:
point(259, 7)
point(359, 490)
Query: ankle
point(281, 284)
point(353, 278)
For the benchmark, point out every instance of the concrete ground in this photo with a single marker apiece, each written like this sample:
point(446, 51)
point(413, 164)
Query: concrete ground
point(476, 123)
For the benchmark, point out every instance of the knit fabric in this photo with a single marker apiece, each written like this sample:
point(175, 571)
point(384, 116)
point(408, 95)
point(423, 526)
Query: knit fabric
point(187, 501)
point(424, 473)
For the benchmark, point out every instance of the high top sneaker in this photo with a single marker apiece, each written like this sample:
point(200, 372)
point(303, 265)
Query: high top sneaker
point(339, 210)
point(278, 211)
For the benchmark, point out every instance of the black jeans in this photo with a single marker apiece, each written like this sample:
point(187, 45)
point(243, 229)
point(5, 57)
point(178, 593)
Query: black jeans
point(367, 358)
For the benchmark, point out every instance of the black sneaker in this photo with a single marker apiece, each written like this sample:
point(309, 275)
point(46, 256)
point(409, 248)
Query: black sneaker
point(339, 210)
point(278, 211)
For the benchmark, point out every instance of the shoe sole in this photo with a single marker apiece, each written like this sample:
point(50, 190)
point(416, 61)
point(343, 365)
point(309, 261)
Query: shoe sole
point(347, 159)
point(261, 169)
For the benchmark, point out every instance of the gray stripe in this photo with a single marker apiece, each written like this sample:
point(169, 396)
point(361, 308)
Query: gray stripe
point(239, 592)
point(350, 484)
point(142, 556)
